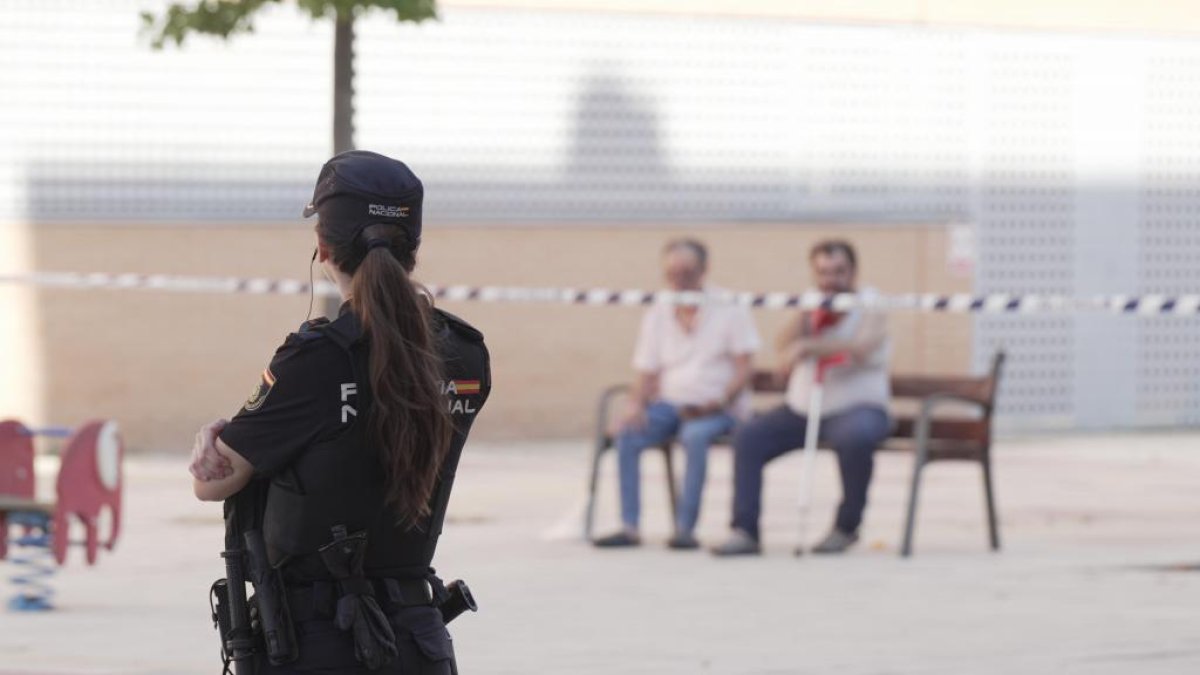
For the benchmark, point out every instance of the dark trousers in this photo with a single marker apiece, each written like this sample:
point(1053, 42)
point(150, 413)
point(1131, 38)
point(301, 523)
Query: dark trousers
point(854, 434)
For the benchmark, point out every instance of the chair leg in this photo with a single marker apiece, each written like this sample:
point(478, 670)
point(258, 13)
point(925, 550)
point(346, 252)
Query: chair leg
point(589, 514)
point(910, 520)
point(990, 495)
point(672, 491)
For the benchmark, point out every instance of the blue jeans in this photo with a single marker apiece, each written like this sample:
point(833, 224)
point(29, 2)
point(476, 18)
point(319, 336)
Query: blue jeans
point(854, 434)
point(662, 424)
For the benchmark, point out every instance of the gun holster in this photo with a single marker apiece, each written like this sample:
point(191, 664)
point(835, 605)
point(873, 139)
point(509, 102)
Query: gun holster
point(270, 616)
point(235, 641)
point(218, 602)
point(357, 611)
point(453, 599)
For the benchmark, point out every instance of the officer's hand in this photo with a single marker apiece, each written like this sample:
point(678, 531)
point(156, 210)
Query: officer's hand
point(208, 464)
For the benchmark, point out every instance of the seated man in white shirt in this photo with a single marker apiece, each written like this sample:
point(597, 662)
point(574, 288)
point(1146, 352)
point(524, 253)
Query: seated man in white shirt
point(694, 364)
point(854, 417)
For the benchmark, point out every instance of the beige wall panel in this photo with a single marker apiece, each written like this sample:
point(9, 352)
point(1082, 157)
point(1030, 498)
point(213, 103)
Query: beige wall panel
point(21, 382)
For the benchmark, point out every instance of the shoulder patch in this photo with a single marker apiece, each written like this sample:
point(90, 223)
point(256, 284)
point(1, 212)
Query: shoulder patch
point(308, 332)
point(461, 327)
point(259, 395)
point(313, 324)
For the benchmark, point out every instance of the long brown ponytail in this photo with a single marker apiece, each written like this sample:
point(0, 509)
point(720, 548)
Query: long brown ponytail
point(408, 419)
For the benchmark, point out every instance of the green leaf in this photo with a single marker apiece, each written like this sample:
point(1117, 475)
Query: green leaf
point(225, 18)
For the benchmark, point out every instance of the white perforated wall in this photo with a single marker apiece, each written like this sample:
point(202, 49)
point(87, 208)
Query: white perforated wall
point(100, 128)
point(1024, 214)
point(879, 125)
point(1168, 386)
point(1073, 156)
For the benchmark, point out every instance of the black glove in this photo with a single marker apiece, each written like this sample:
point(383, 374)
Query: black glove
point(357, 610)
point(374, 640)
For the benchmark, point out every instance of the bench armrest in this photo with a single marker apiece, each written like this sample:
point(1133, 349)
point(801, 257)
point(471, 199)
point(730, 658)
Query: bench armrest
point(928, 403)
point(925, 418)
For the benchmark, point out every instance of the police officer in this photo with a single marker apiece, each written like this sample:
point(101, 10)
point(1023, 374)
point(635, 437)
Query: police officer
point(352, 437)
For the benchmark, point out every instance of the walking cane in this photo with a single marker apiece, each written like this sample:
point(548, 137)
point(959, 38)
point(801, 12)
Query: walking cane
point(821, 319)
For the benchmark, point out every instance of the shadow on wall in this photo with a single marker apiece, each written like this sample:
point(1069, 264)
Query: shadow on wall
point(617, 147)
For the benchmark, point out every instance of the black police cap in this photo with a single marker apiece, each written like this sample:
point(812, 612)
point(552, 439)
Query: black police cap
point(359, 188)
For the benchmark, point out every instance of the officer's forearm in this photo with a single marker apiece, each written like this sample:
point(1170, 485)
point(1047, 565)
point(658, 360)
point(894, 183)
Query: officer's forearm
point(224, 488)
point(219, 489)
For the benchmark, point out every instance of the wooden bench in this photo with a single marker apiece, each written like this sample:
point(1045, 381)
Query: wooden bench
point(929, 434)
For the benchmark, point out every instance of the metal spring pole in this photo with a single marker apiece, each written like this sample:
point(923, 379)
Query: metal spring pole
point(35, 566)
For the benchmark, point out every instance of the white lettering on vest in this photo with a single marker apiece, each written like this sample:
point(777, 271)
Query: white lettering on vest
point(348, 389)
point(461, 405)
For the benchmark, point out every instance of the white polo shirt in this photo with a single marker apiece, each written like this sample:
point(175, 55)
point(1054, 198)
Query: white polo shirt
point(696, 368)
point(846, 385)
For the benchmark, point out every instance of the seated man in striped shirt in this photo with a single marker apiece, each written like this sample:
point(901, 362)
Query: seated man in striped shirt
point(693, 364)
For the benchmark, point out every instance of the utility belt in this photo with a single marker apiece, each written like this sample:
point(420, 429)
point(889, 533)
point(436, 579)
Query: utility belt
point(355, 603)
point(319, 599)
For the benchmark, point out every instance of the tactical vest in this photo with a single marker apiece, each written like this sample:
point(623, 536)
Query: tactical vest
point(341, 481)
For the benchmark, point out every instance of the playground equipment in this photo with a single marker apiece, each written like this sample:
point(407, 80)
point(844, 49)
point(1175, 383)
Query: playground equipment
point(89, 481)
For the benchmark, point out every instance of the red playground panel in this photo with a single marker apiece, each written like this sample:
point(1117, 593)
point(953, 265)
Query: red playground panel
point(89, 481)
point(16, 471)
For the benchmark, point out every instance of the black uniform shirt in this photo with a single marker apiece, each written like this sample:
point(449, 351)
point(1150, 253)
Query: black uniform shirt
point(301, 430)
point(306, 395)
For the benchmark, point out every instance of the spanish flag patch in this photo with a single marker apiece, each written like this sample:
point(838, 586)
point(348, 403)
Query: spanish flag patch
point(259, 395)
point(464, 387)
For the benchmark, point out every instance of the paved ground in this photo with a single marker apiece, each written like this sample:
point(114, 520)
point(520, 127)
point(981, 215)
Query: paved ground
point(1092, 529)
